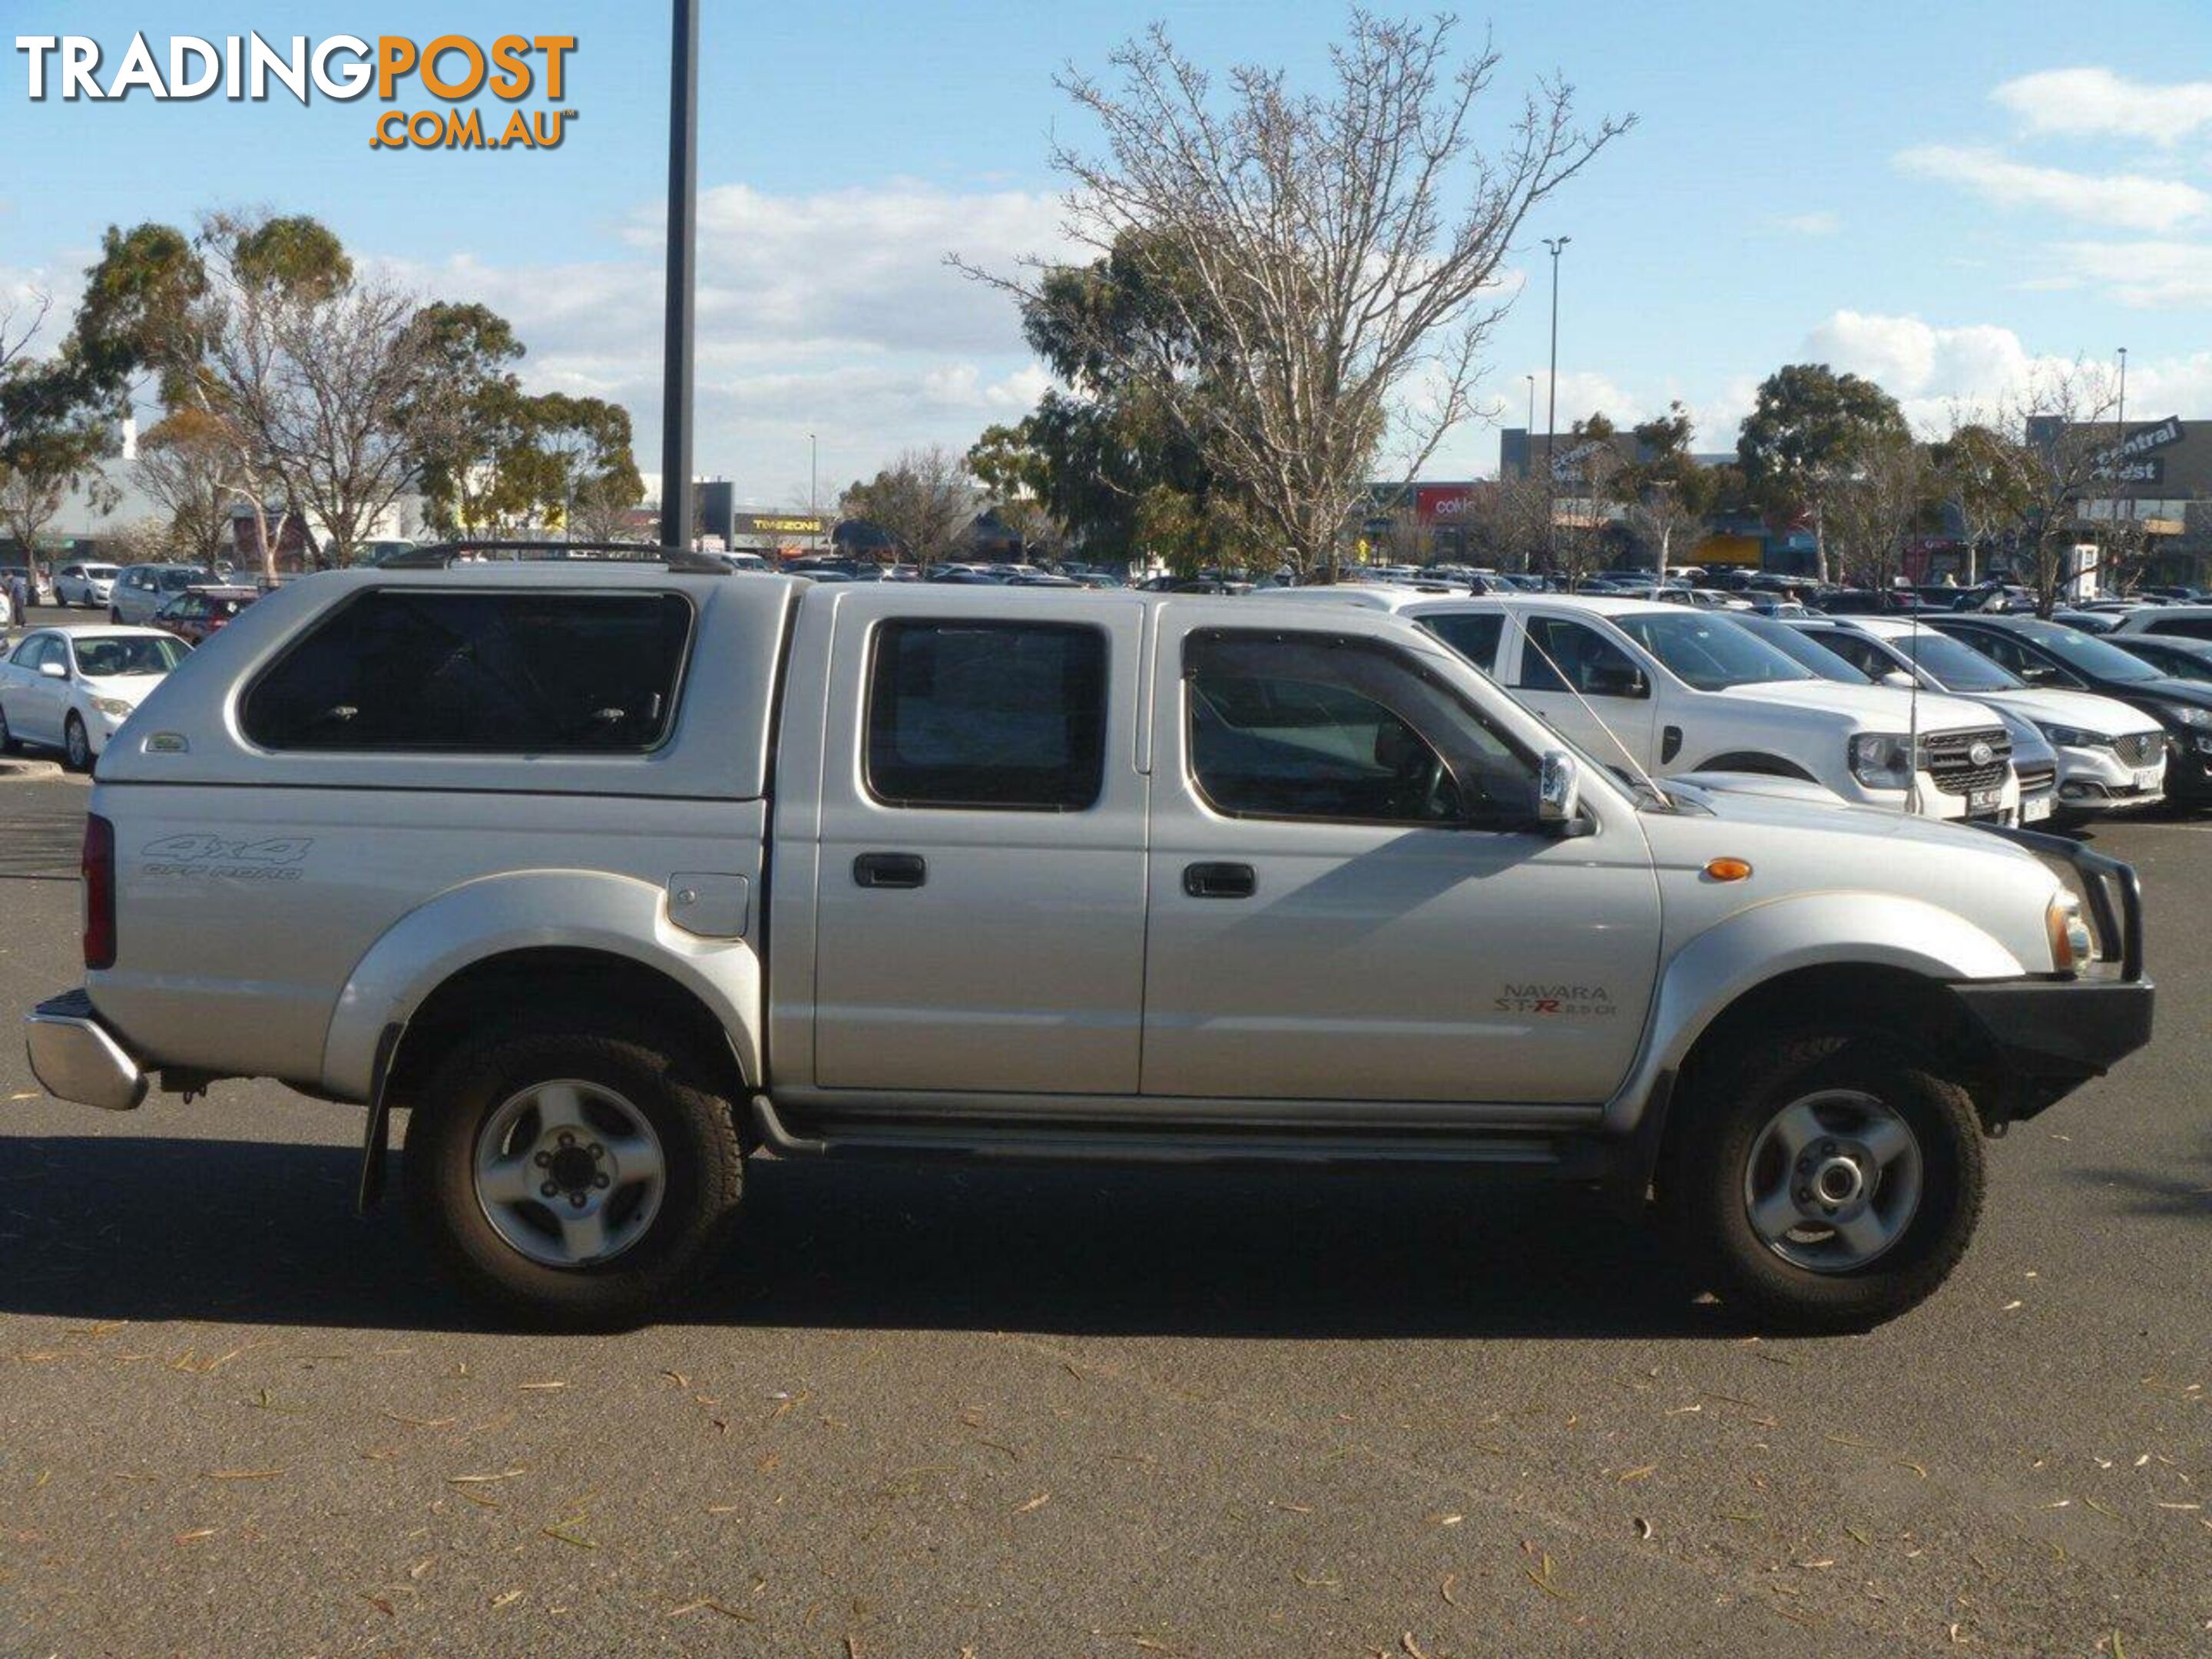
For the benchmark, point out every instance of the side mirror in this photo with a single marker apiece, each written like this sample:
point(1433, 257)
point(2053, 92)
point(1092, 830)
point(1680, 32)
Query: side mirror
point(1616, 680)
point(1898, 678)
point(54, 671)
point(1560, 791)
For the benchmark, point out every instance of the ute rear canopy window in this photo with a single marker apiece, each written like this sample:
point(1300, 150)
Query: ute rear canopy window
point(506, 673)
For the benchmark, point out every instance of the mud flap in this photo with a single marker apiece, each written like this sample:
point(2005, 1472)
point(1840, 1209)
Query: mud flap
point(376, 1138)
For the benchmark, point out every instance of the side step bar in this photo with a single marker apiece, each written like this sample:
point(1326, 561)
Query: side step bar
point(1569, 1157)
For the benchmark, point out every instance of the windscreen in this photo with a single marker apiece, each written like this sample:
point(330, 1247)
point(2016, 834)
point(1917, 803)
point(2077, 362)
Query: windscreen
point(103, 656)
point(1709, 653)
point(2092, 656)
point(1955, 663)
point(1808, 654)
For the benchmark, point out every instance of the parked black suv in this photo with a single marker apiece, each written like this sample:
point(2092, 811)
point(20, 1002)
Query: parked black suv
point(2051, 654)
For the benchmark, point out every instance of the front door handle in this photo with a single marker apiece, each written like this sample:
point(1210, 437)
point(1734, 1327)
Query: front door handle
point(890, 870)
point(1218, 880)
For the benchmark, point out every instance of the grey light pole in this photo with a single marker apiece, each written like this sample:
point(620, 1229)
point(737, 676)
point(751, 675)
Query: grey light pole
point(675, 491)
point(813, 475)
point(2123, 391)
point(1532, 405)
point(1552, 403)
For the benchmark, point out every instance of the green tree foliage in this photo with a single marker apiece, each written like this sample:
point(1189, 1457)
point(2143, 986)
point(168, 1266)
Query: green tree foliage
point(1810, 431)
point(1108, 458)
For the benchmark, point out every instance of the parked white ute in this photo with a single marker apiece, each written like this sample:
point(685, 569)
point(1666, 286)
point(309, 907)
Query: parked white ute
point(1669, 691)
point(2110, 755)
point(614, 875)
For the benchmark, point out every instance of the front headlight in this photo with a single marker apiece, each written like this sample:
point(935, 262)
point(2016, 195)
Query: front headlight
point(1882, 759)
point(2073, 737)
point(2183, 714)
point(2070, 943)
point(115, 707)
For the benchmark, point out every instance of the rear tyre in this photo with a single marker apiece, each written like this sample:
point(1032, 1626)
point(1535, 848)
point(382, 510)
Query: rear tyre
point(76, 745)
point(7, 743)
point(1828, 1182)
point(571, 1180)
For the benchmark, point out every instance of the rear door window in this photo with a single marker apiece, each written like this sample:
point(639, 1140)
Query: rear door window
point(1008, 716)
point(1474, 636)
point(489, 673)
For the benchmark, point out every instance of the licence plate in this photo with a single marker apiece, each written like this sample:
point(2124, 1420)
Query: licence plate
point(1984, 800)
point(2030, 811)
point(2147, 778)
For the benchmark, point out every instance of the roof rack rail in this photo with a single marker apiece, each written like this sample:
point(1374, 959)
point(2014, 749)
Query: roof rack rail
point(682, 560)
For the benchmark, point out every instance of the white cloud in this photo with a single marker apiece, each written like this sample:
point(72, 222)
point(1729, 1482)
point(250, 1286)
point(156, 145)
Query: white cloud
point(833, 312)
point(2132, 201)
point(2151, 275)
point(2097, 103)
point(1819, 222)
point(1933, 370)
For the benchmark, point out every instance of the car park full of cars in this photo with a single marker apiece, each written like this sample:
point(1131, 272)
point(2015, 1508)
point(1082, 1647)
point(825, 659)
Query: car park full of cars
point(1666, 690)
point(2049, 656)
point(2111, 754)
point(614, 875)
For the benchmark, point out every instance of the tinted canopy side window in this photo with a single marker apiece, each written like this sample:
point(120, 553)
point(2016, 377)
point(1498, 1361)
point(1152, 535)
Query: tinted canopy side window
point(1343, 730)
point(2195, 627)
point(493, 674)
point(1010, 716)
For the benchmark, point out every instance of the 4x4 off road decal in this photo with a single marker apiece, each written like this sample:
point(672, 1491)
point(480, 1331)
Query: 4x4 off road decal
point(274, 859)
point(1563, 1000)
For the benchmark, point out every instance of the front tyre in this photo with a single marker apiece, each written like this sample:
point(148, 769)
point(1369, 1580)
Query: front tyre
point(1828, 1182)
point(571, 1182)
point(76, 745)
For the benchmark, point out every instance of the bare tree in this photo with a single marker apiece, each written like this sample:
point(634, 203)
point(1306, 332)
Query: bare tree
point(1505, 522)
point(925, 499)
point(1980, 475)
point(1870, 512)
point(2061, 428)
point(1658, 520)
point(321, 382)
point(1317, 258)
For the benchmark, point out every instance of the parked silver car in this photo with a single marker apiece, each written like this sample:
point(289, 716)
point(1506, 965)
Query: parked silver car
point(1053, 873)
point(140, 590)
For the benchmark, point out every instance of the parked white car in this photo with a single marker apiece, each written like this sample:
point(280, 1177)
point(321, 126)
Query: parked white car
point(2110, 756)
point(71, 688)
point(1669, 689)
point(86, 585)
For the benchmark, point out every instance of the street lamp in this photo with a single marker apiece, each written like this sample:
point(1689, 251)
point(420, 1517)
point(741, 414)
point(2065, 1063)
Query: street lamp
point(675, 491)
point(2123, 391)
point(813, 472)
point(1557, 244)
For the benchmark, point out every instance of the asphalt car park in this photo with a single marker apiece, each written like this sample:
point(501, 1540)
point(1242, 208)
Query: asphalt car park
point(925, 1411)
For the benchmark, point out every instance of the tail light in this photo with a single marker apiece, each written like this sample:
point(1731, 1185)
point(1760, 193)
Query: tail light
point(99, 892)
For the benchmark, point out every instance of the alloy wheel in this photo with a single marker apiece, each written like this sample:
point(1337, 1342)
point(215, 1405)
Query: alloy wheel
point(569, 1173)
point(1833, 1181)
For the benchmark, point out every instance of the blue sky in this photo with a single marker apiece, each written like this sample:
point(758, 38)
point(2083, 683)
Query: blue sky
point(1937, 195)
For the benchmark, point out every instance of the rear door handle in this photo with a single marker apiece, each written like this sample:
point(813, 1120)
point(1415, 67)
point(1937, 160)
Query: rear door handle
point(890, 870)
point(1218, 880)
